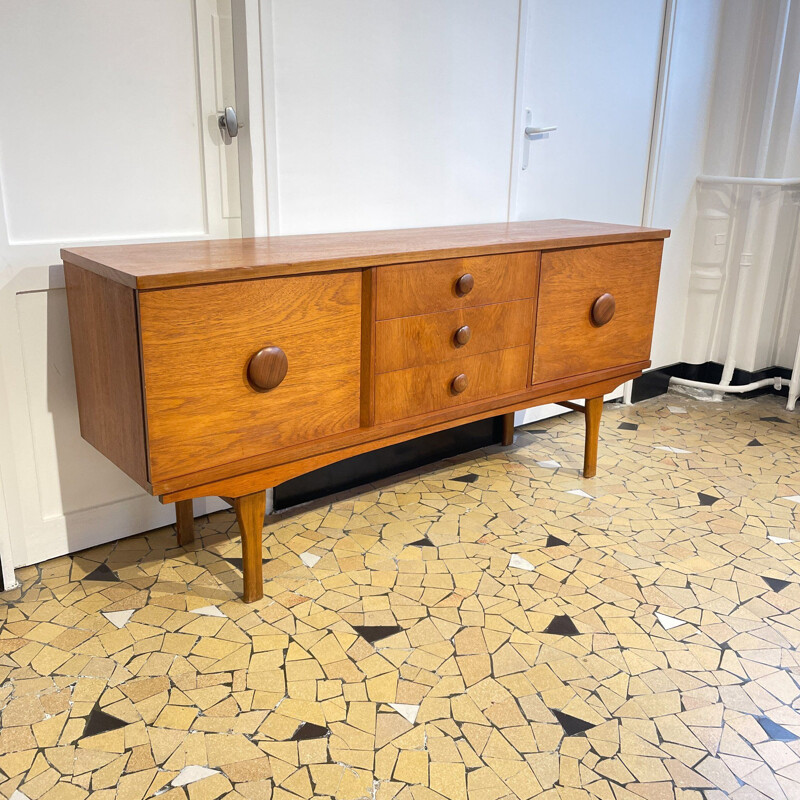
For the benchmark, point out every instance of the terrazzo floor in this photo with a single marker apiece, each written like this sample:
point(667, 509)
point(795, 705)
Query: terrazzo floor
point(491, 627)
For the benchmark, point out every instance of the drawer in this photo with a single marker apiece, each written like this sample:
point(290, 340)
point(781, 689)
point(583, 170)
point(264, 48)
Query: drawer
point(201, 408)
point(421, 390)
point(429, 338)
point(405, 290)
point(569, 339)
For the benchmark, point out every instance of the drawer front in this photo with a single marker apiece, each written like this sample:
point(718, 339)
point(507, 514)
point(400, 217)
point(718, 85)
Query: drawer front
point(202, 409)
point(427, 339)
point(406, 290)
point(572, 334)
point(421, 390)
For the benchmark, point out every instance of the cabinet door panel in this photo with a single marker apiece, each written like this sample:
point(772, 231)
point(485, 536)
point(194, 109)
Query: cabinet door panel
point(568, 340)
point(196, 344)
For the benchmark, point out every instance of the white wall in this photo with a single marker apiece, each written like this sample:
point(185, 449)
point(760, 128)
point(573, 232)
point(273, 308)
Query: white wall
point(390, 113)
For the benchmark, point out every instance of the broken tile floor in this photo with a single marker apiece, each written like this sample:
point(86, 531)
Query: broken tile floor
point(489, 627)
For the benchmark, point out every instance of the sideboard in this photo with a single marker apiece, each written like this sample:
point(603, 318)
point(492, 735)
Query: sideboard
point(226, 367)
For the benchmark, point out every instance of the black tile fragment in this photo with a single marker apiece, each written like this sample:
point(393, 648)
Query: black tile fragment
point(774, 419)
point(372, 633)
point(776, 584)
point(754, 443)
point(776, 732)
point(423, 542)
point(470, 477)
point(562, 625)
point(572, 725)
point(707, 499)
point(308, 730)
point(102, 573)
point(554, 541)
point(628, 426)
point(100, 722)
point(239, 563)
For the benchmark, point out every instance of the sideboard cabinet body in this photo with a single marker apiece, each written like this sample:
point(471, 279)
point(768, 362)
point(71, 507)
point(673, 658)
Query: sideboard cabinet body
point(373, 338)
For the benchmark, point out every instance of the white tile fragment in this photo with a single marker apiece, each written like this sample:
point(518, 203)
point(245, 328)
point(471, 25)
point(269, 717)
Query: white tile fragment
point(779, 540)
point(580, 493)
point(549, 464)
point(795, 498)
point(192, 774)
point(677, 409)
point(309, 559)
point(406, 710)
point(669, 622)
point(518, 562)
point(118, 618)
point(208, 611)
point(671, 449)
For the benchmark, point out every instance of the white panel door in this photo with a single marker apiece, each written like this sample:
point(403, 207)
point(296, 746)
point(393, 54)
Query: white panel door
point(109, 134)
point(590, 69)
point(389, 113)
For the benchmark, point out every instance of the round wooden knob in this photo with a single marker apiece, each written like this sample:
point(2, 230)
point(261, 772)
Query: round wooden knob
point(267, 368)
point(462, 335)
point(603, 309)
point(459, 383)
point(464, 284)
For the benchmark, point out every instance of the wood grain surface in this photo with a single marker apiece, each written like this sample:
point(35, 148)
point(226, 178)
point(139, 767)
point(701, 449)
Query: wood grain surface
point(427, 287)
point(567, 340)
point(196, 345)
point(149, 266)
point(419, 390)
point(406, 342)
point(364, 439)
point(305, 460)
point(105, 354)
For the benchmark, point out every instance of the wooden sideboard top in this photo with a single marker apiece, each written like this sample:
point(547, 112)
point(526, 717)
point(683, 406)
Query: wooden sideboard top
point(170, 264)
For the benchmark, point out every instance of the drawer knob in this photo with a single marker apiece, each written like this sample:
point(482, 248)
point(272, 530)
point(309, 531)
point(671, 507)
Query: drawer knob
point(603, 309)
point(464, 284)
point(459, 383)
point(267, 368)
point(462, 335)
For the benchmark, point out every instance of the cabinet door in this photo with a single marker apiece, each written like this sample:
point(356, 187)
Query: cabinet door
point(197, 341)
point(569, 341)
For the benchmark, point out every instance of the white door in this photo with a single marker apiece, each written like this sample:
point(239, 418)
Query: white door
point(590, 70)
point(108, 134)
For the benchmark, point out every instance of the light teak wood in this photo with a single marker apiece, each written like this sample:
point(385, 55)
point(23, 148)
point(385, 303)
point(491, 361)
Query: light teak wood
point(196, 346)
point(407, 289)
point(508, 429)
point(153, 266)
point(105, 353)
point(276, 466)
point(420, 390)
point(184, 522)
point(250, 510)
point(593, 411)
point(386, 336)
point(568, 342)
point(430, 338)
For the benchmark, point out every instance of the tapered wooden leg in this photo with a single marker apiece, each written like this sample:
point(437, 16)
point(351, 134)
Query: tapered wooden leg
point(250, 516)
point(508, 429)
point(184, 522)
point(594, 410)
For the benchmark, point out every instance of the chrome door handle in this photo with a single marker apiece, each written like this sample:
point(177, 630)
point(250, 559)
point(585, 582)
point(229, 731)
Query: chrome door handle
point(530, 134)
point(536, 131)
point(228, 123)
